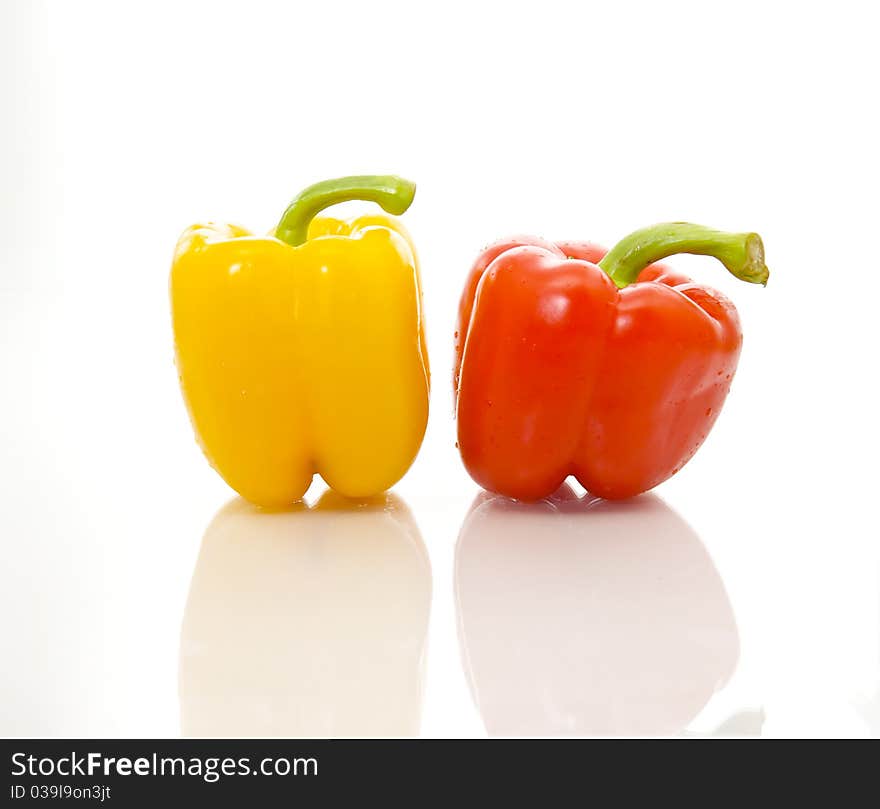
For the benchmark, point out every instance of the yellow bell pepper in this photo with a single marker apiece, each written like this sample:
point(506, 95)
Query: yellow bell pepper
point(304, 352)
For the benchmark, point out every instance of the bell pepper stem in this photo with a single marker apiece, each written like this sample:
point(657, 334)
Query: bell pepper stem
point(393, 194)
point(741, 253)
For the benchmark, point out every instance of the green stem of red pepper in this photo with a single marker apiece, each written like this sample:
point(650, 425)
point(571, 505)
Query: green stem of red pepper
point(741, 253)
point(393, 194)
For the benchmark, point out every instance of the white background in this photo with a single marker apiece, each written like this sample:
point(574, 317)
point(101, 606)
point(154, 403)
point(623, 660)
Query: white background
point(123, 124)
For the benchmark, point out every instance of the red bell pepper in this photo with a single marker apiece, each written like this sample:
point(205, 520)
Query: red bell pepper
point(608, 367)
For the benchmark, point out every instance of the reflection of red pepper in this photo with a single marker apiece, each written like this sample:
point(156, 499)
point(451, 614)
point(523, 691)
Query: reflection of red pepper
point(613, 373)
point(557, 637)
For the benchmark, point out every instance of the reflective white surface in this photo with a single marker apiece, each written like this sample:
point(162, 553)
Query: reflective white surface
point(115, 581)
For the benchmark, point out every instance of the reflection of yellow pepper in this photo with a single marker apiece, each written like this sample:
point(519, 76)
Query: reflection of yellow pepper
point(305, 353)
point(285, 635)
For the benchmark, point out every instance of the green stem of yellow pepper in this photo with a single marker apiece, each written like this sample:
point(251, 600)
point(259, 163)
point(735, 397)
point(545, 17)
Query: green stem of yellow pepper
point(393, 194)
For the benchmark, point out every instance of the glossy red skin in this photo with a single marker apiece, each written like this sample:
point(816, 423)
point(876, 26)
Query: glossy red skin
point(558, 373)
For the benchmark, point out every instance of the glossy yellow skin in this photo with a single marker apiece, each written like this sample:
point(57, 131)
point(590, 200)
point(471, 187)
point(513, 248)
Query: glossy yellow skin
point(302, 360)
